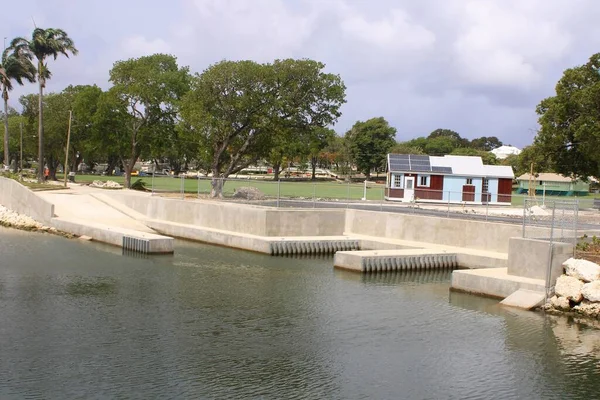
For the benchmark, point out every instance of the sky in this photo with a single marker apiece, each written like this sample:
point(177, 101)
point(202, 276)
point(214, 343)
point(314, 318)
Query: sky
point(478, 67)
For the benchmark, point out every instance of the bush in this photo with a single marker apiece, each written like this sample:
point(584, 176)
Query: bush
point(139, 185)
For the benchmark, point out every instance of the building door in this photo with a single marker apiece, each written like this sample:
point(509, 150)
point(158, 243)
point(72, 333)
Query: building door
point(485, 191)
point(409, 188)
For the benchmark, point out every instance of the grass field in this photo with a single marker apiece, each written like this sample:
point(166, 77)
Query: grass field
point(308, 190)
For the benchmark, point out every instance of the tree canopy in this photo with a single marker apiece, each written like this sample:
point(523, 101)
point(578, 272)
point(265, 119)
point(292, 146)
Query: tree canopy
point(569, 135)
point(370, 141)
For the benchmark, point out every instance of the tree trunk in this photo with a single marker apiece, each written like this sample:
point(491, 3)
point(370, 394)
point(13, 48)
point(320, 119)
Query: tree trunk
point(40, 126)
point(276, 171)
point(217, 182)
point(313, 162)
point(6, 155)
point(128, 170)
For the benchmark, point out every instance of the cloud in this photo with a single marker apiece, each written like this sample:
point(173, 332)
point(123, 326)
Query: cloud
point(476, 66)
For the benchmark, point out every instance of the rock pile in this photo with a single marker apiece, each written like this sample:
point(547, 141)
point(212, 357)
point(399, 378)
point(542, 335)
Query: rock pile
point(248, 193)
point(578, 290)
point(15, 220)
point(106, 185)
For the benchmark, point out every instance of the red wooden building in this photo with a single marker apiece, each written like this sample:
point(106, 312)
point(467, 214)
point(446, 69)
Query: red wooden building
point(454, 179)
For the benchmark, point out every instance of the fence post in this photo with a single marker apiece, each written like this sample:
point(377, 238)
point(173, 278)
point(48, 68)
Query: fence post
point(525, 201)
point(348, 196)
point(487, 208)
point(382, 199)
point(182, 187)
point(314, 195)
point(198, 184)
point(278, 191)
point(152, 183)
point(448, 213)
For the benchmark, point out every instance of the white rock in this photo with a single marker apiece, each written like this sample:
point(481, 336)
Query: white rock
point(569, 287)
point(582, 269)
point(560, 303)
point(591, 291)
point(590, 309)
point(11, 218)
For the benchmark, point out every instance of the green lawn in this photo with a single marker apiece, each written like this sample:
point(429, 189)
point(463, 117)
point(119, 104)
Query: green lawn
point(320, 190)
point(323, 190)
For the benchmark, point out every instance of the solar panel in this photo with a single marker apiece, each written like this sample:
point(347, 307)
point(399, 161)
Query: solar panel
point(442, 170)
point(414, 163)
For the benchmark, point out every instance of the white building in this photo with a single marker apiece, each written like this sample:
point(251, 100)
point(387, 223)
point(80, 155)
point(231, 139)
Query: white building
point(503, 152)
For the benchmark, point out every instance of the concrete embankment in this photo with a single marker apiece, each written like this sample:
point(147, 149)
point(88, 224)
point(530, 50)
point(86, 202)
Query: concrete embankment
point(20, 199)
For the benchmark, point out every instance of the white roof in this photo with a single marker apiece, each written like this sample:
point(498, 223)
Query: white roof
point(503, 152)
point(547, 177)
point(472, 166)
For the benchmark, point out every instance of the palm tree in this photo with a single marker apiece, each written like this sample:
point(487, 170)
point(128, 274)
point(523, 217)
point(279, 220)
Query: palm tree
point(43, 44)
point(17, 66)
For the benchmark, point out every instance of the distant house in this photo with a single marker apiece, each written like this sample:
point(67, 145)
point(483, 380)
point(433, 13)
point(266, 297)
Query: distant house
point(454, 179)
point(503, 152)
point(554, 185)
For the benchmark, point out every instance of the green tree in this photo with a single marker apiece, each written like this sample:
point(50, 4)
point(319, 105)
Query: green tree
point(370, 142)
point(43, 44)
point(569, 135)
point(15, 66)
point(485, 143)
point(152, 87)
point(236, 109)
point(318, 140)
point(406, 148)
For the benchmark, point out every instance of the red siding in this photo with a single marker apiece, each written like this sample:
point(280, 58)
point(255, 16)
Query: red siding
point(394, 193)
point(504, 190)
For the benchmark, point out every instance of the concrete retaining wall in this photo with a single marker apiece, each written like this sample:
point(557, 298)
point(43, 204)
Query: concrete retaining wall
point(442, 231)
point(240, 218)
point(530, 258)
point(18, 198)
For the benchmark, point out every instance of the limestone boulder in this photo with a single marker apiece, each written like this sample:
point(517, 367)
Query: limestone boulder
point(569, 287)
point(591, 291)
point(583, 270)
point(560, 303)
point(589, 309)
point(248, 193)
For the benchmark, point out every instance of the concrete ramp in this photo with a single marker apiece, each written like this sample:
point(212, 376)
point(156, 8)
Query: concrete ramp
point(525, 299)
point(395, 260)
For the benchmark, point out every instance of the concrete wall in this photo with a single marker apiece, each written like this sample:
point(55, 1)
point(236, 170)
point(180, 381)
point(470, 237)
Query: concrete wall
point(18, 198)
point(530, 258)
point(444, 231)
point(240, 218)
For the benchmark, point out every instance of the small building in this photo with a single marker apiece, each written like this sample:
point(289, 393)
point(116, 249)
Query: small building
point(453, 179)
point(504, 152)
point(553, 185)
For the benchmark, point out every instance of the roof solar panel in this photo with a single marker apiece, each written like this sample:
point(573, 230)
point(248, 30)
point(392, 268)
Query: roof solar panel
point(442, 170)
point(414, 163)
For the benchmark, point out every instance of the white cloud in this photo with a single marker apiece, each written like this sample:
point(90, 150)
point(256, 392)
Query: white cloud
point(506, 43)
point(138, 45)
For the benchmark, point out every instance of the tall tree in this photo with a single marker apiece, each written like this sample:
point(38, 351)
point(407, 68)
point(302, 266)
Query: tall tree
point(151, 86)
point(569, 135)
point(16, 66)
point(406, 148)
point(235, 109)
point(318, 139)
point(370, 141)
point(43, 44)
point(485, 143)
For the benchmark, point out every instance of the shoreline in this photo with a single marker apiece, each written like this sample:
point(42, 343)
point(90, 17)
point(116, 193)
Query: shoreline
point(13, 220)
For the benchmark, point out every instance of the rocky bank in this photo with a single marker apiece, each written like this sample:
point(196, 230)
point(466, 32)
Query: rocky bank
point(11, 219)
point(578, 290)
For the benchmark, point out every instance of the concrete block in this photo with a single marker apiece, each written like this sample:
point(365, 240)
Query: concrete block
point(493, 282)
point(525, 299)
point(530, 258)
point(18, 198)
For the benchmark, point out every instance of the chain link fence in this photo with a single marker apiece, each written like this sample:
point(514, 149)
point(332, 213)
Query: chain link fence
point(554, 220)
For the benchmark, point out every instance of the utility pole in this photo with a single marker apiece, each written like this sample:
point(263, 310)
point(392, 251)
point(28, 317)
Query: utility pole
point(67, 152)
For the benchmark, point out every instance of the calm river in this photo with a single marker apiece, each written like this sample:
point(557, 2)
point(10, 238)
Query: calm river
point(80, 320)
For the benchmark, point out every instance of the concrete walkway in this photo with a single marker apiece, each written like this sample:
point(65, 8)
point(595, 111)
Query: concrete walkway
point(78, 203)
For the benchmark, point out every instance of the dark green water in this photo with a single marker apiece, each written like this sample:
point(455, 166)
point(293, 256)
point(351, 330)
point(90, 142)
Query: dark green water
point(80, 320)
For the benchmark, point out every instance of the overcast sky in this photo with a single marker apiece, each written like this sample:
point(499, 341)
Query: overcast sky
point(478, 67)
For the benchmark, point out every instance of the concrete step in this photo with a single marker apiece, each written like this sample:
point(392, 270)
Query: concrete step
point(394, 260)
point(525, 299)
point(493, 282)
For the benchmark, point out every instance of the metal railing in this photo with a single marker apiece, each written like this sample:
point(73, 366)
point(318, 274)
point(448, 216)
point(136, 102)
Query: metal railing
point(559, 217)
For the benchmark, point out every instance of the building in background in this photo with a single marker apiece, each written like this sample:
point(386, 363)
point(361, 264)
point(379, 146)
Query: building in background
point(453, 179)
point(503, 152)
point(553, 184)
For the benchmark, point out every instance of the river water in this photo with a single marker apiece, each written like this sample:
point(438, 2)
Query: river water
point(81, 320)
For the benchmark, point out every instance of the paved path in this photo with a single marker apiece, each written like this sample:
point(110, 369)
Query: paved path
point(77, 203)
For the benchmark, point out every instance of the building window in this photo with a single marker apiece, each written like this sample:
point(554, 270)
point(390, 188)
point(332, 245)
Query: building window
point(485, 186)
point(424, 180)
point(469, 181)
point(398, 181)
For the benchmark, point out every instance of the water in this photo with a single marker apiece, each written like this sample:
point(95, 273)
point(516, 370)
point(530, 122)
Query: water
point(80, 320)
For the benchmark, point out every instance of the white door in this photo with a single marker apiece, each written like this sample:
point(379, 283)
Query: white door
point(409, 189)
